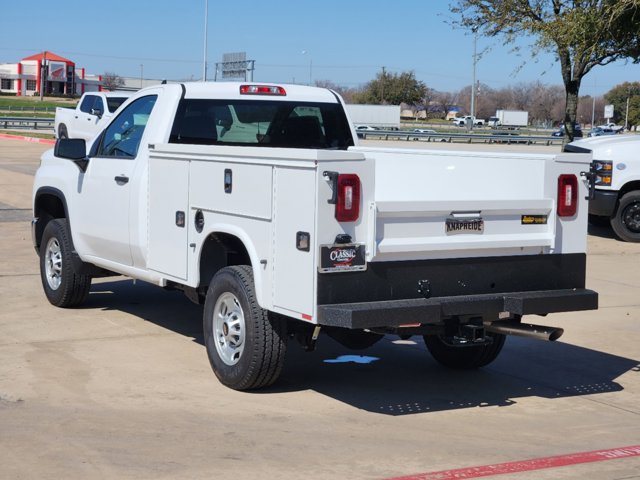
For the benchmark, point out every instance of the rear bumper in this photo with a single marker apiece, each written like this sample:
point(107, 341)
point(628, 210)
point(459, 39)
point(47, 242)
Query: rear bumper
point(394, 313)
point(603, 203)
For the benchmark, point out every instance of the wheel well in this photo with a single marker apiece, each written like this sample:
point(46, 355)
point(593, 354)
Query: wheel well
point(47, 207)
point(220, 250)
point(629, 187)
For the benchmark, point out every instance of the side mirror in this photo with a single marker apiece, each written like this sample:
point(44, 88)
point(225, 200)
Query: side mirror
point(74, 149)
point(97, 112)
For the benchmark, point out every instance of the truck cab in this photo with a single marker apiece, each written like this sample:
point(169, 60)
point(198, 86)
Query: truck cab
point(616, 172)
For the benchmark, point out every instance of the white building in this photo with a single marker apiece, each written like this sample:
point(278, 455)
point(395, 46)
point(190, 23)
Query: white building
point(58, 76)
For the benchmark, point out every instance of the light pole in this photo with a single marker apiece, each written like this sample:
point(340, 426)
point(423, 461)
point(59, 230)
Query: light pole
point(304, 52)
point(473, 82)
point(141, 74)
point(626, 115)
point(206, 26)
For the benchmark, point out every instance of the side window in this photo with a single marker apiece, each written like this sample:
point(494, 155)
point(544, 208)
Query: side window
point(98, 104)
point(87, 103)
point(123, 135)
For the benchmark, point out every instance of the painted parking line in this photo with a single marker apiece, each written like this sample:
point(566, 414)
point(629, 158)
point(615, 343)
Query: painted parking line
point(528, 465)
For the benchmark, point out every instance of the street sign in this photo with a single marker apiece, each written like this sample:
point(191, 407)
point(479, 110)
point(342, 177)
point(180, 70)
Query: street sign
point(608, 111)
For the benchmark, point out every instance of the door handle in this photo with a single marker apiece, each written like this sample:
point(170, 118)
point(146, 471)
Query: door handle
point(121, 179)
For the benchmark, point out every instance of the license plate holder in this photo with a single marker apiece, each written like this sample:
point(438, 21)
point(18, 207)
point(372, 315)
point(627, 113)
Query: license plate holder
point(348, 257)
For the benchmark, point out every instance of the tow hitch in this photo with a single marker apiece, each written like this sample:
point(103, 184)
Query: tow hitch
point(467, 334)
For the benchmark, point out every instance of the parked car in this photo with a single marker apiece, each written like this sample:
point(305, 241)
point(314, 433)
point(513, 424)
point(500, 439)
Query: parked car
point(612, 126)
point(423, 130)
point(577, 132)
point(599, 131)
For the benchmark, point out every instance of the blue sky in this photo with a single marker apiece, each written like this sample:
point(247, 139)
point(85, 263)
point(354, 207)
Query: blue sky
point(346, 41)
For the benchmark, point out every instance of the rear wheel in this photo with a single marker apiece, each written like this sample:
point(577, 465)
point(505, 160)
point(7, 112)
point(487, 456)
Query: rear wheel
point(464, 357)
point(246, 344)
point(626, 221)
point(62, 285)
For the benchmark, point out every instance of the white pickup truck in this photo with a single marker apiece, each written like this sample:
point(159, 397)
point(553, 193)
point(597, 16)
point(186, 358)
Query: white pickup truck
point(468, 120)
point(256, 201)
point(90, 115)
point(616, 193)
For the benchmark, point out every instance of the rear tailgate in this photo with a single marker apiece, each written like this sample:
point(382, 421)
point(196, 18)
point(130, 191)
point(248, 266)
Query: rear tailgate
point(464, 234)
point(437, 204)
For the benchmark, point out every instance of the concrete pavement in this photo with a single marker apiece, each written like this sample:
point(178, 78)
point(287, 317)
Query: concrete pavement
point(121, 388)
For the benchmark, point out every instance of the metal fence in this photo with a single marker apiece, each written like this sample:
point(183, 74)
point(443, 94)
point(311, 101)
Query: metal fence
point(34, 109)
point(34, 123)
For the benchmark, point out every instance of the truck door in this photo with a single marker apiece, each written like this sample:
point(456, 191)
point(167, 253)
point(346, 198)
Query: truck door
point(86, 121)
point(100, 218)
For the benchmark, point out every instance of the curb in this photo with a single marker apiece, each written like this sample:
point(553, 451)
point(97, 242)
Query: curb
point(46, 141)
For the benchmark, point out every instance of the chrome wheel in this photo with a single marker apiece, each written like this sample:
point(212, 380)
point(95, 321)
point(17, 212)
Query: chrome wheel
point(228, 328)
point(53, 263)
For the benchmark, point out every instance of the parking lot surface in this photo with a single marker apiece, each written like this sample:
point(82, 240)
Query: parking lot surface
point(121, 388)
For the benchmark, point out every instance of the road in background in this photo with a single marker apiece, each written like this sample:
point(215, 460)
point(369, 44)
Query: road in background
point(121, 388)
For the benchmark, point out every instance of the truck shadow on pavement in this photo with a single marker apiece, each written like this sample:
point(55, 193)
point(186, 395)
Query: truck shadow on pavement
point(396, 377)
point(602, 231)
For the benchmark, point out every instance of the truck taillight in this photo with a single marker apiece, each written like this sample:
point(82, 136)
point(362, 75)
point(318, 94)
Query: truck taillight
point(348, 198)
point(567, 195)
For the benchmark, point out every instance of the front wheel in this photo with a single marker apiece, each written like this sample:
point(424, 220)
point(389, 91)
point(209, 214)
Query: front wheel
point(245, 344)
point(62, 285)
point(626, 221)
point(464, 357)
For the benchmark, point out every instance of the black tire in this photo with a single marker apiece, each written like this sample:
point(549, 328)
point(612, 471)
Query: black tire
point(465, 357)
point(626, 221)
point(62, 131)
point(246, 344)
point(62, 285)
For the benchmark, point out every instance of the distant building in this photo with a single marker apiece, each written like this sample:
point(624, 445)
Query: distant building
point(60, 75)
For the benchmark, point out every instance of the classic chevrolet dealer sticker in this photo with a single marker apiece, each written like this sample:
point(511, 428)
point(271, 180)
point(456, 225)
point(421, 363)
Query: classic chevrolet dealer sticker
point(340, 258)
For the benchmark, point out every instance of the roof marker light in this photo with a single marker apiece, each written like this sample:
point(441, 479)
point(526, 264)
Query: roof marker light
point(262, 90)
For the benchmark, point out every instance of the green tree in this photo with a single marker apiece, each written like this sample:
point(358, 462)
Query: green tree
point(581, 33)
point(393, 89)
point(618, 96)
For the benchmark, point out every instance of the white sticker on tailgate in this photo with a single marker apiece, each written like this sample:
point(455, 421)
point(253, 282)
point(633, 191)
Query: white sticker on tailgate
point(455, 226)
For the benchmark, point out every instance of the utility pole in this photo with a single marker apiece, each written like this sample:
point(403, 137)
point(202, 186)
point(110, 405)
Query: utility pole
point(43, 75)
point(473, 81)
point(206, 25)
point(626, 115)
point(382, 87)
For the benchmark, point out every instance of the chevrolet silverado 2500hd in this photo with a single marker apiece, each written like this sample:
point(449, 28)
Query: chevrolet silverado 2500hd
point(88, 117)
point(256, 202)
point(616, 196)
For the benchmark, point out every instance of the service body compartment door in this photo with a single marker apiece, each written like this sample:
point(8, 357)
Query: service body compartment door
point(168, 216)
point(294, 273)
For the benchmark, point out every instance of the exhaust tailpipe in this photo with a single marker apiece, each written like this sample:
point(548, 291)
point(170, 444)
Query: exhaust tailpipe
point(538, 332)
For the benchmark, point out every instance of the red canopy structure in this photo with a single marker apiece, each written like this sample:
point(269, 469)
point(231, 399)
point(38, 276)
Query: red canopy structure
point(49, 56)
